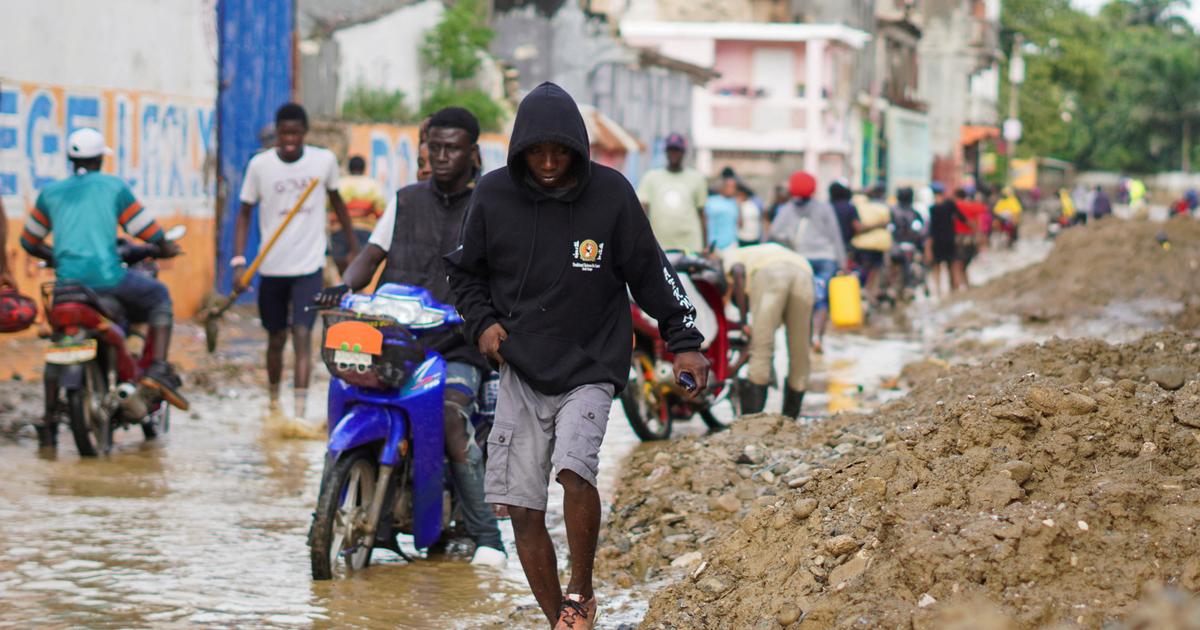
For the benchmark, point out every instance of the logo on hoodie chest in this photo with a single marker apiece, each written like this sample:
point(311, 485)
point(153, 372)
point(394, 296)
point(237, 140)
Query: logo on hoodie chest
point(587, 254)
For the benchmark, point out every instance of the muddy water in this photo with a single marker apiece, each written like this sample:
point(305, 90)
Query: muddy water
point(207, 527)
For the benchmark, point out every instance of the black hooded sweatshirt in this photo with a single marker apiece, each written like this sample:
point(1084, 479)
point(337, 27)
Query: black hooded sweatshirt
point(552, 269)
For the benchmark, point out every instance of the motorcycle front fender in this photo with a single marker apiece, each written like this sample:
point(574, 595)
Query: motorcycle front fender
point(362, 425)
point(70, 377)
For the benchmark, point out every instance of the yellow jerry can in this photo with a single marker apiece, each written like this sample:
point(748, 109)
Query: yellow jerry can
point(845, 301)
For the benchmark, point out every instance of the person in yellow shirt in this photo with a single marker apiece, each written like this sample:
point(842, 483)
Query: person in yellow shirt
point(365, 203)
point(1008, 213)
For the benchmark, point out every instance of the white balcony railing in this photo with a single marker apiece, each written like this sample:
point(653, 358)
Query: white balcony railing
point(749, 113)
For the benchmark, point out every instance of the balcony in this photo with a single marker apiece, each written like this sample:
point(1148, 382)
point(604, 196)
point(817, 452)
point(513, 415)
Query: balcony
point(751, 123)
point(749, 113)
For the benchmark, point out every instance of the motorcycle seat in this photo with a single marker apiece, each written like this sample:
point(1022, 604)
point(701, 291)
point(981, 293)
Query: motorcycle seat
point(107, 305)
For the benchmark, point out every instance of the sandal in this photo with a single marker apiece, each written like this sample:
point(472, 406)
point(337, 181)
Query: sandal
point(576, 614)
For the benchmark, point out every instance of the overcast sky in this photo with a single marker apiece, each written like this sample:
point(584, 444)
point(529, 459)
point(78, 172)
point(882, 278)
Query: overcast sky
point(1094, 6)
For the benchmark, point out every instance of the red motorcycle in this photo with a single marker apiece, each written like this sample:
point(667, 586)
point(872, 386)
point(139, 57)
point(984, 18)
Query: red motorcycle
point(652, 400)
point(92, 373)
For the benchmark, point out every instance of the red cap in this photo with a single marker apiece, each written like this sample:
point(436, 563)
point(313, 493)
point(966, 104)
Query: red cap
point(802, 185)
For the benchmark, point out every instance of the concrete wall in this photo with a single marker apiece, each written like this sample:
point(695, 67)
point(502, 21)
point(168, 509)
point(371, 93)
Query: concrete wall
point(391, 151)
point(385, 53)
point(948, 63)
point(563, 48)
point(144, 74)
point(650, 103)
point(582, 55)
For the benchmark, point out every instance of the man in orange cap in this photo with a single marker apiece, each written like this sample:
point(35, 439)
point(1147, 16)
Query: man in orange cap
point(811, 229)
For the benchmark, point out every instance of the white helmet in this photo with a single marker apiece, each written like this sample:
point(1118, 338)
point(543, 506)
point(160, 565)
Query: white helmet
point(86, 143)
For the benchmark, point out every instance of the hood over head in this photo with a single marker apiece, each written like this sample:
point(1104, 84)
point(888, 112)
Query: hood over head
point(549, 114)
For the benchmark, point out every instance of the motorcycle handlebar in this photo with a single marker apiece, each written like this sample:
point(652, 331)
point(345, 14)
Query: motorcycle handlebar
point(133, 253)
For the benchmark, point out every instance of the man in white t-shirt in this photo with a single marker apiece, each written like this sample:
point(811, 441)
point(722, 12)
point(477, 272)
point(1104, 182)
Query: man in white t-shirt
point(292, 270)
point(674, 200)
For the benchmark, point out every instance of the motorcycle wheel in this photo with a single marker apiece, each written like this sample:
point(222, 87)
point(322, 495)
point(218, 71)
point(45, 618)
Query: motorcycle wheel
point(90, 425)
point(338, 538)
point(647, 411)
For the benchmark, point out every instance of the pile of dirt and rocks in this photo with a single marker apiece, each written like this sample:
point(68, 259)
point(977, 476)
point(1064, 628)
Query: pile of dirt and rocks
point(1054, 483)
point(1093, 267)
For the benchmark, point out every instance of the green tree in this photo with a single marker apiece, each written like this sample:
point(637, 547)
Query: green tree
point(1166, 102)
point(1117, 91)
point(454, 50)
point(489, 113)
point(454, 47)
point(365, 104)
point(1147, 12)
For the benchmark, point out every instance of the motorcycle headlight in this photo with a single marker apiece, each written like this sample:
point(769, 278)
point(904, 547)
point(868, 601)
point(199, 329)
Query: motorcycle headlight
point(406, 312)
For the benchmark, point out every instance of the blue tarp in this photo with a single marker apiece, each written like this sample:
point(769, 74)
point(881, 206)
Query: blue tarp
point(255, 78)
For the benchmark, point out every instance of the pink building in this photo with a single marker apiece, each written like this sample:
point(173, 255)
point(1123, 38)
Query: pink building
point(784, 100)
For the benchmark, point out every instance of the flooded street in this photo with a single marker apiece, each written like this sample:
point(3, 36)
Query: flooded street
point(208, 526)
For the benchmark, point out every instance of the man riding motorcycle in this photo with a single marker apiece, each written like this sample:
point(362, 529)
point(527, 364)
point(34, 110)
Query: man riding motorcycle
point(83, 212)
point(422, 223)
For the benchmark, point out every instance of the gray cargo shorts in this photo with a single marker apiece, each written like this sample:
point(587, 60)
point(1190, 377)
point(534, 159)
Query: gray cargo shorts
point(535, 434)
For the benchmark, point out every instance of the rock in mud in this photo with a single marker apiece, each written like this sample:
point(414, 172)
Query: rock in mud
point(839, 545)
point(1187, 405)
point(726, 502)
point(788, 615)
point(713, 586)
point(1014, 412)
point(1018, 471)
point(1051, 402)
point(802, 508)
point(850, 570)
point(799, 482)
point(1168, 377)
point(1042, 399)
point(1076, 404)
point(687, 560)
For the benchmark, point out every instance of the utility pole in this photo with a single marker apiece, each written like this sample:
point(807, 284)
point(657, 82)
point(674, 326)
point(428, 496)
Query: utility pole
point(1016, 76)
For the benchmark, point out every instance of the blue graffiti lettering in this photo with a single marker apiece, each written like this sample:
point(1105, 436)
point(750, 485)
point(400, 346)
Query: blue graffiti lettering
point(8, 107)
point(124, 141)
point(381, 160)
point(83, 111)
point(174, 135)
point(40, 126)
point(406, 158)
point(151, 159)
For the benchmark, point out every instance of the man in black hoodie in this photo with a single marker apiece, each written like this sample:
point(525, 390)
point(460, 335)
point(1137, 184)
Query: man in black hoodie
point(549, 247)
point(420, 225)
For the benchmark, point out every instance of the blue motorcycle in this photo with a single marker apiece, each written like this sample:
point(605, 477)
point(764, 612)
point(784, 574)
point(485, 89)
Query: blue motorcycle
point(385, 469)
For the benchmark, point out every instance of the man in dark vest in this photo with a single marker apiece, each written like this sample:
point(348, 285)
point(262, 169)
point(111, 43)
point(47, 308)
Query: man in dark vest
point(420, 225)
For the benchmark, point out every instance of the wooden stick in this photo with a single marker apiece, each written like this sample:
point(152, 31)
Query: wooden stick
point(262, 253)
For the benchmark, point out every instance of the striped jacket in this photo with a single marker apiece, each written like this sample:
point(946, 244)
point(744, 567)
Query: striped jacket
point(83, 213)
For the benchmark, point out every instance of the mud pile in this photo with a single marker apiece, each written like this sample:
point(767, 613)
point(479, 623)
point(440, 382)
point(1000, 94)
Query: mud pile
point(1106, 263)
point(1048, 485)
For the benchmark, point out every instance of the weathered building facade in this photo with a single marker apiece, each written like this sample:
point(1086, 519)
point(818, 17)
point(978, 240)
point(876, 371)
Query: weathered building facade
point(647, 94)
point(960, 72)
